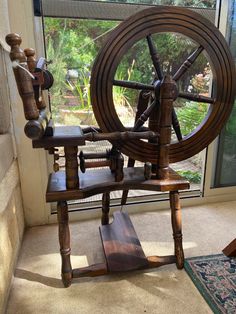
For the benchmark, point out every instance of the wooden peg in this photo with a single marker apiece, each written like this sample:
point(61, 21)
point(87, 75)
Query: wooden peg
point(39, 80)
point(14, 41)
point(23, 79)
point(31, 61)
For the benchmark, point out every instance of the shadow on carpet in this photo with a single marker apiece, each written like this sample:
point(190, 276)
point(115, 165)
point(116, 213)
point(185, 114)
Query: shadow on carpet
point(215, 278)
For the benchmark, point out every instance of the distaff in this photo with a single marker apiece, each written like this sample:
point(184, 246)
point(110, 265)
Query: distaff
point(29, 86)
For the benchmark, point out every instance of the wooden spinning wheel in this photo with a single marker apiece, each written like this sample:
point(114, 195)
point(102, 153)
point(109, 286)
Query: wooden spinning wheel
point(122, 248)
point(142, 25)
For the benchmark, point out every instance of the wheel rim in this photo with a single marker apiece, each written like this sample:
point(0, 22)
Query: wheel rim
point(158, 20)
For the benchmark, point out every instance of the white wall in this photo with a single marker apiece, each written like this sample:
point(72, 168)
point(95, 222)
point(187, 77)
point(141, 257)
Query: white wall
point(32, 163)
point(11, 209)
point(23, 171)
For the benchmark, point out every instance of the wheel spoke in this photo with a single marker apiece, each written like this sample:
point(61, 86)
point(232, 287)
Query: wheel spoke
point(155, 57)
point(145, 115)
point(176, 126)
point(196, 97)
point(133, 85)
point(187, 63)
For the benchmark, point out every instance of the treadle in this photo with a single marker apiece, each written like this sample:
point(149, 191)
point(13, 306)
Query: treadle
point(121, 245)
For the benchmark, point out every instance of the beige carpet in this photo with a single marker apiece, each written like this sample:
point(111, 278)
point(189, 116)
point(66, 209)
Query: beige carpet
point(37, 287)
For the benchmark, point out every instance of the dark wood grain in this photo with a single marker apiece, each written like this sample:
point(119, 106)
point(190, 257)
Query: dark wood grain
point(120, 136)
point(64, 240)
point(63, 136)
point(155, 57)
point(99, 180)
point(105, 208)
point(133, 85)
point(157, 261)
point(23, 80)
point(121, 245)
point(31, 60)
point(32, 63)
point(177, 228)
point(114, 160)
point(187, 63)
point(197, 98)
point(90, 271)
point(230, 249)
point(72, 175)
point(167, 92)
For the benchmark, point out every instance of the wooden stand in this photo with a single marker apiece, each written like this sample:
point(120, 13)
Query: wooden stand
point(122, 248)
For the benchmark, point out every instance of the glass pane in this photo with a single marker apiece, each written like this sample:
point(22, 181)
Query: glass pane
point(72, 45)
point(187, 3)
point(226, 158)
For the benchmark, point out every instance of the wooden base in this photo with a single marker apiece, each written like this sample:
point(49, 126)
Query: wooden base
point(230, 249)
point(123, 252)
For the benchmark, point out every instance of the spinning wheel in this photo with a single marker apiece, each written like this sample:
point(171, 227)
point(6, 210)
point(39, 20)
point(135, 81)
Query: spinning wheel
point(152, 144)
point(143, 25)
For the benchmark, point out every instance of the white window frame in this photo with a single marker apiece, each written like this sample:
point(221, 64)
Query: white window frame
point(210, 192)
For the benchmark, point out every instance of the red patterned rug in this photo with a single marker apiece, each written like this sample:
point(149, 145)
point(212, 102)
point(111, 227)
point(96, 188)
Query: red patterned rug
point(215, 278)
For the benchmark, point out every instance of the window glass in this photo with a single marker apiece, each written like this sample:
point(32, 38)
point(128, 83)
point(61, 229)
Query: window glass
point(187, 3)
point(226, 157)
point(72, 45)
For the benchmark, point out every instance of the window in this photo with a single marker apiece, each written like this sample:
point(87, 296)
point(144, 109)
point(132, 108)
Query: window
point(226, 157)
point(74, 33)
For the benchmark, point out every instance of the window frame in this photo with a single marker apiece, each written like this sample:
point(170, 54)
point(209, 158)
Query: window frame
point(210, 190)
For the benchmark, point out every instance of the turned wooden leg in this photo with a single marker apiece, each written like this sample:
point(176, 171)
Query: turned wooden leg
point(64, 240)
point(105, 208)
point(177, 228)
